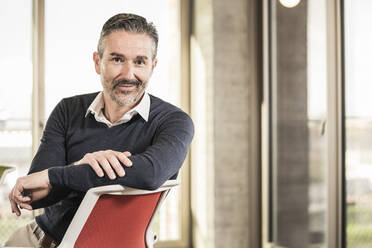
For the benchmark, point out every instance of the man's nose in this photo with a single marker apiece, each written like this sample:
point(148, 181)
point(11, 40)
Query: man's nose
point(127, 71)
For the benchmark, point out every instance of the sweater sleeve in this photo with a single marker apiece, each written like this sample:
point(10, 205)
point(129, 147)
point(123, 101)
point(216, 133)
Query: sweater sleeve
point(158, 163)
point(52, 153)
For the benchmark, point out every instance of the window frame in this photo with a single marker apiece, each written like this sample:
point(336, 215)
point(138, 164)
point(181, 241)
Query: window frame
point(336, 221)
point(335, 127)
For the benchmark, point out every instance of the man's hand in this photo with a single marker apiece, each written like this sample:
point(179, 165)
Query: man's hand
point(29, 189)
point(107, 160)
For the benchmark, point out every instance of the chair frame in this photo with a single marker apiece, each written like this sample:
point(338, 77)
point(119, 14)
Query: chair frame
point(92, 196)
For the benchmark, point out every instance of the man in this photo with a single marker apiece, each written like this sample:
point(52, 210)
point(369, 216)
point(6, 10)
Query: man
point(121, 135)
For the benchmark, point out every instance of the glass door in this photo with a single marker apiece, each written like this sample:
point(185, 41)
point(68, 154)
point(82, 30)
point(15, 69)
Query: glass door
point(319, 124)
point(297, 118)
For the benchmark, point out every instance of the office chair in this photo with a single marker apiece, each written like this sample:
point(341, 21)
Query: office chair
point(116, 216)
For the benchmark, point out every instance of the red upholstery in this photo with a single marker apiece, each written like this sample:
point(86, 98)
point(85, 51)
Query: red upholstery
point(118, 221)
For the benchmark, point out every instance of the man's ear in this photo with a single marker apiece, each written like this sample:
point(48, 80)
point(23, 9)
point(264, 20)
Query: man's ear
point(154, 63)
point(97, 62)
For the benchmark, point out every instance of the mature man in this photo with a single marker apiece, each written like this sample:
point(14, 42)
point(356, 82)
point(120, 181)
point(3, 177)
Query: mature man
point(120, 135)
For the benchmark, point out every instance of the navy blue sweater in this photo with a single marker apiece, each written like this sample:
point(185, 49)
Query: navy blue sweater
point(158, 149)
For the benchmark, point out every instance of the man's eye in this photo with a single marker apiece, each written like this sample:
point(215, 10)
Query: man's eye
point(140, 62)
point(117, 59)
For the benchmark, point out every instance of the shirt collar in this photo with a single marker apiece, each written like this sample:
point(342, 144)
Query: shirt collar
point(142, 108)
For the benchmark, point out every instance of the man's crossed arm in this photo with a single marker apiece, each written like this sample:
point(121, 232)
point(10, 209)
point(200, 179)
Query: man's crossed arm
point(37, 185)
point(51, 180)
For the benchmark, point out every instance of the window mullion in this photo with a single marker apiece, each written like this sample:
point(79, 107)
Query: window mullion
point(334, 126)
point(38, 61)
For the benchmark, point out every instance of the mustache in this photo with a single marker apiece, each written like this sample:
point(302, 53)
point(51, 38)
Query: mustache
point(121, 82)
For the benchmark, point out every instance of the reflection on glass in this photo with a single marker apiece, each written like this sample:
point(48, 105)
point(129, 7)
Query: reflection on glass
point(70, 43)
point(299, 110)
point(358, 51)
point(15, 102)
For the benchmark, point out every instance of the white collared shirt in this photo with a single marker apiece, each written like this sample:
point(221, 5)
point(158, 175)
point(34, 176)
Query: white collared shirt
point(96, 108)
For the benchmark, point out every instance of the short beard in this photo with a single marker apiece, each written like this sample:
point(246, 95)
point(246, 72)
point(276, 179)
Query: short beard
point(139, 91)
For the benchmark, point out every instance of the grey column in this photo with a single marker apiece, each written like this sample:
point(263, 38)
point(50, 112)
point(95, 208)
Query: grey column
point(224, 44)
point(290, 128)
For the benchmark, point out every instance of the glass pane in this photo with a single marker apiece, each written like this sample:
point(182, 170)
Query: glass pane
point(15, 102)
point(70, 43)
point(298, 197)
point(358, 51)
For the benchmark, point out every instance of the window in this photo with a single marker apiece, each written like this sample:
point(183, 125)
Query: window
point(71, 36)
point(15, 102)
point(358, 123)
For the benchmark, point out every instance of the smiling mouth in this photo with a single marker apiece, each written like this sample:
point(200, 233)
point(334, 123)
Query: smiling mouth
point(127, 87)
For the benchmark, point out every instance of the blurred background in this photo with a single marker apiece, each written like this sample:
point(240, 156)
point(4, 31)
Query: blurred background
point(279, 91)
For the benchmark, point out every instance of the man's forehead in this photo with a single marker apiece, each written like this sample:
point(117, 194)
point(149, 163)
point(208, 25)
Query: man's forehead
point(129, 37)
point(122, 42)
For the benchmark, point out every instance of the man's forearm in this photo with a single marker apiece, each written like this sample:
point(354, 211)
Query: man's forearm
point(143, 174)
point(55, 195)
point(150, 169)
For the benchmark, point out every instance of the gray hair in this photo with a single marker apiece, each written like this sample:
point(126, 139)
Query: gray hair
point(130, 23)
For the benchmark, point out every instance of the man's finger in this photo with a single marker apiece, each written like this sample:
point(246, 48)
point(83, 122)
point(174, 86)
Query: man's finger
point(95, 166)
point(124, 159)
point(25, 206)
point(114, 162)
point(128, 154)
point(13, 204)
point(20, 198)
point(105, 165)
point(14, 207)
point(17, 194)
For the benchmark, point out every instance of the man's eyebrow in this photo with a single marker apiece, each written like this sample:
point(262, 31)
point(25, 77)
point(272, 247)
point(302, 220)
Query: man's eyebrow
point(116, 54)
point(142, 57)
point(139, 57)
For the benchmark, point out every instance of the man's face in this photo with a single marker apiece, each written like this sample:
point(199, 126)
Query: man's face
point(126, 66)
